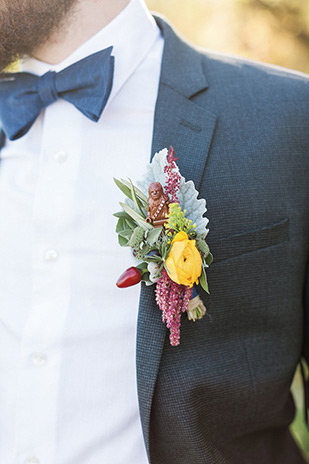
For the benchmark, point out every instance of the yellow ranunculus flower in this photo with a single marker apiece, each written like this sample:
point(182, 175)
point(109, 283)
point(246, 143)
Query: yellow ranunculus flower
point(184, 262)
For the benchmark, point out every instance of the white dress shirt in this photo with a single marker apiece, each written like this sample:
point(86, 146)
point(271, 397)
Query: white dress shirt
point(68, 391)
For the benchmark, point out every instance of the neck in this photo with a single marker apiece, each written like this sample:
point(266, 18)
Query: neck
point(88, 18)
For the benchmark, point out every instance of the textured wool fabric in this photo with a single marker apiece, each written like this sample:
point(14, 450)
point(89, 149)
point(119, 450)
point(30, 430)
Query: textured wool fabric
point(241, 131)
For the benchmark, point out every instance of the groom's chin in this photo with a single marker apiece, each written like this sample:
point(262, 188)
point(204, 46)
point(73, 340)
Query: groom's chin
point(27, 25)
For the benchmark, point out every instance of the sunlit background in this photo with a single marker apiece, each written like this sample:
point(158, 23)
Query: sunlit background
point(272, 31)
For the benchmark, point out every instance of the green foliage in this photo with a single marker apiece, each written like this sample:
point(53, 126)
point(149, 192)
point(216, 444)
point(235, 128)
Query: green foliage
point(132, 217)
point(144, 271)
point(122, 241)
point(153, 235)
point(298, 427)
point(137, 201)
point(202, 247)
point(132, 192)
point(164, 246)
point(124, 229)
point(137, 237)
point(209, 259)
point(178, 222)
point(135, 216)
point(203, 281)
point(142, 251)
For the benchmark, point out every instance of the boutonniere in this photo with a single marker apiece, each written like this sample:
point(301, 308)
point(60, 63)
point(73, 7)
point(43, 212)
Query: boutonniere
point(163, 222)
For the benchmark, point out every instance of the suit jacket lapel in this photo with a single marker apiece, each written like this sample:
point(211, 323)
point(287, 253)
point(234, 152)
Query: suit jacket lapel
point(189, 128)
point(178, 120)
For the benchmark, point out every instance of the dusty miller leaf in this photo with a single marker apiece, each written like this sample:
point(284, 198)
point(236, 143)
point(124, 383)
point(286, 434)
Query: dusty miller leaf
point(187, 195)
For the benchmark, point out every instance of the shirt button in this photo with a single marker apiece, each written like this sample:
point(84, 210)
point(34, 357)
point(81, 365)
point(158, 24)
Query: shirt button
point(32, 461)
point(60, 157)
point(51, 255)
point(39, 359)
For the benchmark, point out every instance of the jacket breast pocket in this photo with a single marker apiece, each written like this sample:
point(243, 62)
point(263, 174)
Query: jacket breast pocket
point(248, 242)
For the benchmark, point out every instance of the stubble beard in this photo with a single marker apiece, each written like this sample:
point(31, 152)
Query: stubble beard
point(26, 25)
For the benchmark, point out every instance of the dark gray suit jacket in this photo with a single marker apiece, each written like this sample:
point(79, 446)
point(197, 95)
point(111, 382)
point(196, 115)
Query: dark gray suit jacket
point(241, 132)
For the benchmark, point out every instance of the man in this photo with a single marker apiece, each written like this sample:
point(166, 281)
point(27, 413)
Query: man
point(67, 359)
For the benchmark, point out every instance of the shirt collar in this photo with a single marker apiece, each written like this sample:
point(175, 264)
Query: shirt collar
point(139, 31)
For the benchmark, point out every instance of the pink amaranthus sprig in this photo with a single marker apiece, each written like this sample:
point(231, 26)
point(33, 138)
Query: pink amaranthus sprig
point(172, 176)
point(172, 299)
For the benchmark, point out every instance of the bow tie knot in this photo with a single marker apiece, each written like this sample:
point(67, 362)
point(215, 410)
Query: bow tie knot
point(47, 88)
point(86, 84)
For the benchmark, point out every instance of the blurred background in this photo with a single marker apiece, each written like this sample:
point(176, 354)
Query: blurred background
point(272, 31)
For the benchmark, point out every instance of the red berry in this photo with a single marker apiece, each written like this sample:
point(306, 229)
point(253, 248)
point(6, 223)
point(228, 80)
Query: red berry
point(131, 276)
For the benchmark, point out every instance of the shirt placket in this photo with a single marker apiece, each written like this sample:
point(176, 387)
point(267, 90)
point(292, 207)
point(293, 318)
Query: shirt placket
point(41, 344)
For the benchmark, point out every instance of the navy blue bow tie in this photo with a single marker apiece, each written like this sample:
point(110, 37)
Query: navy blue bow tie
point(86, 84)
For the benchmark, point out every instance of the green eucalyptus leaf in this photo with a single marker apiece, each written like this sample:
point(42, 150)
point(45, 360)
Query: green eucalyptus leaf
point(131, 224)
point(202, 247)
point(125, 233)
point(124, 188)
point(144, 270)
point(120, 225)
point(122, 241)
point(138, 192)
point(153, 235)
point(142, 266)
point(146, 276)
point(209, 259)
point(135, 199)
point(203, 281)
point(121, 214)
point(136, 216)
